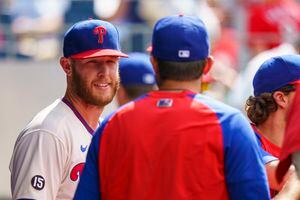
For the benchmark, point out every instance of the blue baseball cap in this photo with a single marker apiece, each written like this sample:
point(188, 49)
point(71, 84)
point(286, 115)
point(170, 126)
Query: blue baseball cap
point(136, 70)
point(180, 38)
point(275, 73)
point(92, 38)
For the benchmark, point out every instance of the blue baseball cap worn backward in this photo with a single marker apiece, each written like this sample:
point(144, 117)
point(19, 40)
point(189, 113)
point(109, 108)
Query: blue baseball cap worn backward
point(275, 73)
point(180, 38)
point(92, 38)
point(136, 70)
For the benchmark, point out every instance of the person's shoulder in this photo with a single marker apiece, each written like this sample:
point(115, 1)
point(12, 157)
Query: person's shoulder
point(216, 106)
point(131, 105)
point(124, 111)
point(50, 119)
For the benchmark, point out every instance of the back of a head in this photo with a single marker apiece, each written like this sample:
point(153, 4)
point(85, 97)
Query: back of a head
point(275, 74)
point(178, 43)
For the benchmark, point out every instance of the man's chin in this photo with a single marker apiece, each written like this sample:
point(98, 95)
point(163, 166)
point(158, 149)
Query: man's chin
point(103, 101)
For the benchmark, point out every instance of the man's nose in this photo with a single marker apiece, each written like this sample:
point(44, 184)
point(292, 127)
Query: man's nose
point(103, 70)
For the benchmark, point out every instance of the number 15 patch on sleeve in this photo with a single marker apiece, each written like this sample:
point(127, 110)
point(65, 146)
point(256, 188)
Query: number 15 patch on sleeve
point(38, 182)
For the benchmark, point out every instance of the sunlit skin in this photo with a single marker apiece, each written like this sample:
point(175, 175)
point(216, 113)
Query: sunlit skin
point(273, 129)
point(95, 80)
point(91, 84)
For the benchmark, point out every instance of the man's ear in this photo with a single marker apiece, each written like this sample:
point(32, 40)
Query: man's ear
point(65, 63)
point(154, 64)
point(281, 99)
point(209, 63)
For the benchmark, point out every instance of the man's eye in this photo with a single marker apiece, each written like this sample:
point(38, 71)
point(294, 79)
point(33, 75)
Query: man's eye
point(90, 62)
point(111, 61)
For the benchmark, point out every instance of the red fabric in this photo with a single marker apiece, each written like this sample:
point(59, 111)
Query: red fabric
point(267, 21)
point(292, 137)
point(156, 149)
point(227, 47)
point(268, 146)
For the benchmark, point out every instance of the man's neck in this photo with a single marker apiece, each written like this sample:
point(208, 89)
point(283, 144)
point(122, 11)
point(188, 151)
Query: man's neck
point(273, 128)
point(176, 86)
point(90, 113)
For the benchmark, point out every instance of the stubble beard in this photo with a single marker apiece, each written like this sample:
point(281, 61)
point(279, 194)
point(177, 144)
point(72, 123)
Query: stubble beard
point(81, 89)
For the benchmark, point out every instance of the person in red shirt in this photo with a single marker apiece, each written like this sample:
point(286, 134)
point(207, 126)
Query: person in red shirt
point(175, 143)
point(274, 86)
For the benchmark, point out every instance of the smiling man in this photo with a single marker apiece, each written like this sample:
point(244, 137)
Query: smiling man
point(50, 152)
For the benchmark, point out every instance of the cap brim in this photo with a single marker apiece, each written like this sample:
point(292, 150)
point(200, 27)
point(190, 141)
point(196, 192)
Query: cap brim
point(282, 168)
point(99, 53)
point(297, 82)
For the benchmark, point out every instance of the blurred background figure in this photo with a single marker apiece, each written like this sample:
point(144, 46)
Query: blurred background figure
point(79, 10)
point(266, 37)
point(36, 26)
point(152, 11)
point(130, 20)
point(4, 23)
point(137, 77)
point(225, 50)
point(272, 22)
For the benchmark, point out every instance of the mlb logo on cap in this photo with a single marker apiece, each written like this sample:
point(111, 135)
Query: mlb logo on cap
point(92, 38)
point(183, 54)
point(180, 38)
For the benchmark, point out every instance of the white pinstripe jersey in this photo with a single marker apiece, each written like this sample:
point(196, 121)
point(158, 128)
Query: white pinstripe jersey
point(50, 153)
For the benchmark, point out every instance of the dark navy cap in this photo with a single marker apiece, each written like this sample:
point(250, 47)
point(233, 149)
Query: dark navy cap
point(275, 73)
point(180, 38)
point(92, 38)
point(136, 70)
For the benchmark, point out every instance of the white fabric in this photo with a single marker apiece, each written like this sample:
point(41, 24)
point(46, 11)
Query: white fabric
point(51, 146)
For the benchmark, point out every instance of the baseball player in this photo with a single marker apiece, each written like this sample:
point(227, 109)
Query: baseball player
point(137, 77)
point(290, 148)
point(175, 143)
point(274, 86)
point(50, 152)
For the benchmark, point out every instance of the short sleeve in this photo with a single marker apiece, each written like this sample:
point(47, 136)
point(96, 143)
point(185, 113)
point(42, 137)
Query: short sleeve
point(266, 156)
point(245, 172)
point(37, 166)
